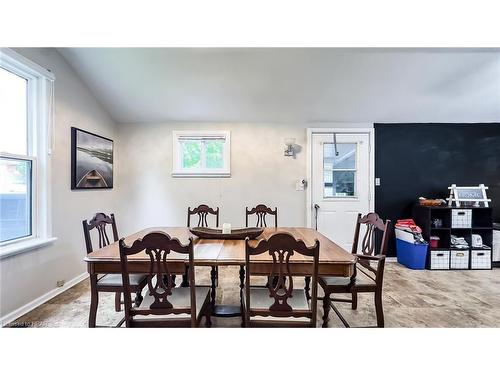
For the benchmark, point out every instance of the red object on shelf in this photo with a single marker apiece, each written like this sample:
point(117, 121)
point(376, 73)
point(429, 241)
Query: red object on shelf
point(408, 224)
point(434, 242)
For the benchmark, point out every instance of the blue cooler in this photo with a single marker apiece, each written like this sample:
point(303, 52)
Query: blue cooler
point(411, 255)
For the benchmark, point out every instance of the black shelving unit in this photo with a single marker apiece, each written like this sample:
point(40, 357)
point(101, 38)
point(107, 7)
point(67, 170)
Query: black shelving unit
point(481, 223)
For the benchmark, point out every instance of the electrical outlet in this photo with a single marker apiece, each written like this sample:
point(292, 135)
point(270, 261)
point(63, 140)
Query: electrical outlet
point(300, 185)
point(60, 283)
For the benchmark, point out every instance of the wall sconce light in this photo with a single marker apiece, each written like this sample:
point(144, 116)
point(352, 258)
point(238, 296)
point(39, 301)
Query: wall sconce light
point(289, 149)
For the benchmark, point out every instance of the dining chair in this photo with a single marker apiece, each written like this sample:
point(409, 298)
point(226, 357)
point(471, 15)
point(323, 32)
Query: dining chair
point(280, 304)
point(369, 272)
point(109, 282)
point(203, 211)
point(261, 210)
point(164, 305)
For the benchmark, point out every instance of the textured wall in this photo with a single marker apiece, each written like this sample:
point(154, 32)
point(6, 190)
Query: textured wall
point(260, 173)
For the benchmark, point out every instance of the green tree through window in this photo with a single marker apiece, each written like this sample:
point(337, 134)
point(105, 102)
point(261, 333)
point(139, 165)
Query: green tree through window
point(214, 151)
point(191, 154)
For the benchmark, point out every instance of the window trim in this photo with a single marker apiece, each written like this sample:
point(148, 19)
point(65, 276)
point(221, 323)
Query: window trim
point(178, 171)
point(39, 126)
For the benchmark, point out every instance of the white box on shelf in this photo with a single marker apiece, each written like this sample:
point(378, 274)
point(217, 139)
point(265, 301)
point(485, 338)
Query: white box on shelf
point(439, 259)
point(496, 245)
point(480, 259)
point(461, 218)
point(459, 259)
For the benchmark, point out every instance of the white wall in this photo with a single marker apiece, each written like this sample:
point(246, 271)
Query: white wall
point(150, 196)
point(27, 276)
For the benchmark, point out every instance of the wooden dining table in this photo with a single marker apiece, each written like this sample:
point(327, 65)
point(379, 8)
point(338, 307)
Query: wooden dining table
point(333, 260)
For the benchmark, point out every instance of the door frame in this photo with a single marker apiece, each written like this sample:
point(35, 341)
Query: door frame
point(340, 128)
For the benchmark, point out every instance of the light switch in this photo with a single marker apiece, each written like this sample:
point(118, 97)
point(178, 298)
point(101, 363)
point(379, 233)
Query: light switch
point(377, 181)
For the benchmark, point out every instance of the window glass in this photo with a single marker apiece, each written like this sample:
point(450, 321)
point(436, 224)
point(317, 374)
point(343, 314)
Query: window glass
point(15, 199)
point(191, 154)
point(13, 113)
point(339, 168)
point(214, 154)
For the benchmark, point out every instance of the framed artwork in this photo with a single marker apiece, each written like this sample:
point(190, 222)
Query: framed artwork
point(91, 161)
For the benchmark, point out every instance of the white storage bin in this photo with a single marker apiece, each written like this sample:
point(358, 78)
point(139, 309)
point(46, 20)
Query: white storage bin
point(459, 259)
point(461, 218)
point(496, 245)
point(481, 260)
point(439, 260)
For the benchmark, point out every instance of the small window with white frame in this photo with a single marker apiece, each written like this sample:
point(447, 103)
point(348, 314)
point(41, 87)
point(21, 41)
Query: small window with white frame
point(201, 153)
point(26, 98)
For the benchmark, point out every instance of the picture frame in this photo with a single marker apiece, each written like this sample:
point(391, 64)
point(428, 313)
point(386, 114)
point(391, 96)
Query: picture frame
point(91, 160)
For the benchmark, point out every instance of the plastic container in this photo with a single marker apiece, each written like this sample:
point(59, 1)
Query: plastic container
point(434, 242)
point(411, 255)
point(405, 236)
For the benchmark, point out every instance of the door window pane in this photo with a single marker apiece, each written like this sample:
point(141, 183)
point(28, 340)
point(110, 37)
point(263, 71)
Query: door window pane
point(346, 158)
point(343, 183)
point(339, 168)
point(13, 113)
point(15, 199)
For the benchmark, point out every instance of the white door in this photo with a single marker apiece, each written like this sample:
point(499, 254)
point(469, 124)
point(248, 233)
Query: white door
point(340, 183)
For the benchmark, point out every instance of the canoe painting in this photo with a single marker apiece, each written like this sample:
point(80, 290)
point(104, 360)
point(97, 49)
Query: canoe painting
point(92, 161)
point(93, 179)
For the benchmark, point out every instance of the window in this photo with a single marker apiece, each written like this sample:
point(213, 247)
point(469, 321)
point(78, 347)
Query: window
point(201, 154)
point(339, 167)
point(15, 171)
point(26, 112)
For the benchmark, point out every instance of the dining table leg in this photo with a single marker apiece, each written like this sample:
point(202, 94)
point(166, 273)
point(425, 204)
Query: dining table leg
point(185, 281)
point(213, 279)
point(307, 287)
point(242, 285)
point(242, 277)
point(94, 300)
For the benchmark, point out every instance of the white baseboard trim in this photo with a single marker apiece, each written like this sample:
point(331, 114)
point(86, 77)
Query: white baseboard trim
point(10, 317)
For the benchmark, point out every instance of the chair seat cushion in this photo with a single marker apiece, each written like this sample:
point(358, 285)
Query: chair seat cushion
point(345, 282)
point(180, 298)
point(260, 299)
point(116, 280)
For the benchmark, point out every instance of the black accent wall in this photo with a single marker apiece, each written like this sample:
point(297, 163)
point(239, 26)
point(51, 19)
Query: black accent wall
point(414, 160)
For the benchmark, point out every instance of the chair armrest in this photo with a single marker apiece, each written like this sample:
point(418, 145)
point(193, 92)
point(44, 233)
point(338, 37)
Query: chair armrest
point(364, 261)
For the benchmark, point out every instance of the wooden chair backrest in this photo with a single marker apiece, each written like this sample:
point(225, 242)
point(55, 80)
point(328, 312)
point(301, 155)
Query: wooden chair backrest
point(376, 229)
point(281, 247)
point(158, 246)
point(203, 211)
point(261, 210)
point(99, 222)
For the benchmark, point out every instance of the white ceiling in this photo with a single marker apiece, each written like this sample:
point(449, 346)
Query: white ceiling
point(292, 85)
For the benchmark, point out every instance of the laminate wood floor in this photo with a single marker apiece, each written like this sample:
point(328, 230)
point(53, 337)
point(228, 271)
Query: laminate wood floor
point(411, 299)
